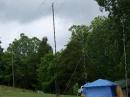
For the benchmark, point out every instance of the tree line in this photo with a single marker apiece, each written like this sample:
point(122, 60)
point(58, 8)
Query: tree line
point(94, 51)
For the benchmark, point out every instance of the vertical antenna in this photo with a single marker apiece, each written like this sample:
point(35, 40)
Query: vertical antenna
point(13, 68)
point(53, 13)
point(56, 84)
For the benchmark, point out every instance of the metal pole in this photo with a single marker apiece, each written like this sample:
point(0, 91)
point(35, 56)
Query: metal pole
point(56, 84)
point(53, 13)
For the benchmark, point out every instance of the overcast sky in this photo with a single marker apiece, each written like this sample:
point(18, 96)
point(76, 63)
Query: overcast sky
point(34, 18)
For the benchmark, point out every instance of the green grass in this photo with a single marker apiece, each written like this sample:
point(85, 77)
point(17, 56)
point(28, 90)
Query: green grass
point(14, 92)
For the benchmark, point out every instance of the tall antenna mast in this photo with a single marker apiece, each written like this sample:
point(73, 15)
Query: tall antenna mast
point(56, 84)
point(53, 13)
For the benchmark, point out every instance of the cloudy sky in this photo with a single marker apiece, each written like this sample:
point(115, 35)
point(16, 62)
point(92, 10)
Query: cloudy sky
point(34, 18)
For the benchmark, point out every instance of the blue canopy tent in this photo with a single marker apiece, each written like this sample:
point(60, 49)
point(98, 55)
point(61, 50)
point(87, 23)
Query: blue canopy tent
point(99, 88)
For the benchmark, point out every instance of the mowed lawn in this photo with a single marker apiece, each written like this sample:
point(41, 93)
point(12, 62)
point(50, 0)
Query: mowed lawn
point(13, 92)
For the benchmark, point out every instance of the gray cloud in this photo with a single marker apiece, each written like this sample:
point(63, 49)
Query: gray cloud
point(20, 10)
point(80, 11)
point(33, 17)
point(28, 10)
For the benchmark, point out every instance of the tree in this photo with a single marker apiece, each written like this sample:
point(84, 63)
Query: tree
point(6, 69)
point(45, 71)
point(75, 88)
point(25, 52)
point(120, 17)
point(44, 48)
point(119, 14)
point(1, 64)
point(103, 47)
point(72, 57)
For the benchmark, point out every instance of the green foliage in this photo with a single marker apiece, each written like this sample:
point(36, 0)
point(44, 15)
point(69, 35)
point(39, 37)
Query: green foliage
point(103, 47)
point(120, 20)
point(44, 48)
point(75, 88)
point(24, 53)
point(6, 69)
point(119, 14)
point(46, 72)
point(2, 68)
point(71, 57)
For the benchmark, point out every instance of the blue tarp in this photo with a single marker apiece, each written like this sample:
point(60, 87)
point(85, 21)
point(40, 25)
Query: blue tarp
point(99, 88)
point(99, 82)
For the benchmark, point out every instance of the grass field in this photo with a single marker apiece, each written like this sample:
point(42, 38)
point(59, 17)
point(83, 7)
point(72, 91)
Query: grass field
point(13, 92)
